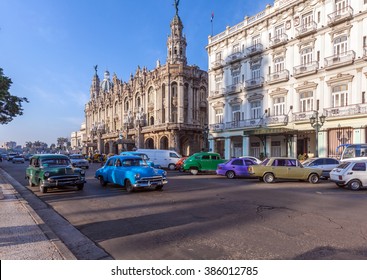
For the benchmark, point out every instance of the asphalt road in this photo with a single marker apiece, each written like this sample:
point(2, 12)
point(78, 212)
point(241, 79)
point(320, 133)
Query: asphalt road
point(210, 217)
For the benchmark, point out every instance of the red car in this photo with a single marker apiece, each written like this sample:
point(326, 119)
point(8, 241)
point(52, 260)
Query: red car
point(179, 164)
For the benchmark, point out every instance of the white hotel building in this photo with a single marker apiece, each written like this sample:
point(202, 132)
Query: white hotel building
point(272, 72)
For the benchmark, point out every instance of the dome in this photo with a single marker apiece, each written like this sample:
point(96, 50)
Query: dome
point(106, 84)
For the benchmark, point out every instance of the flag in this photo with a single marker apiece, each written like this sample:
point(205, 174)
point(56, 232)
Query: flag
point(211, 19)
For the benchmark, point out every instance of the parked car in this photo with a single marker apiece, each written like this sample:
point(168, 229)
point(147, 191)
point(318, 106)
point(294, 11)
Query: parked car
point(78, 160)
point(350, 173)
point(53, 171)
point(131, 172)
point(17, 159)
point(325, 164)
point(255, 159)
point(202, 162)
point(284, 168)
point(142, 155)
point(11, 155)
point(162, 158)
point(235, 167)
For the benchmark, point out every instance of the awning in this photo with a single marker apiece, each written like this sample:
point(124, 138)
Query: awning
point(269, 131)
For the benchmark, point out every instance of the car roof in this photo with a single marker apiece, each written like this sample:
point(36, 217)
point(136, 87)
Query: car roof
point(122, 157)
point(42, 156)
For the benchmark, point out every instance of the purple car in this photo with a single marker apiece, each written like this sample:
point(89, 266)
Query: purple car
point(235, 167)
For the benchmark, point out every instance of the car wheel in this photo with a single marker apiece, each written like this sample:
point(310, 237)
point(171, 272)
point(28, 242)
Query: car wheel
point(230, 174)
point(43, 189)
point(355, 185)
point(313, 178)
point(194, 171)
point(129, 186)
point(30, 182)
point(102, 182)
point(80, 187)
point(159, 188)
point(268, 178)
point(171, 166)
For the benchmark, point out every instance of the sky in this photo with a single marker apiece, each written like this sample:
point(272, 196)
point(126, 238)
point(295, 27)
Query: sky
point(48, 48)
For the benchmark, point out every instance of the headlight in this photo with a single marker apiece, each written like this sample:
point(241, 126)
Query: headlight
point(82, 172)
point(137, 176)
point(164, 173)
point(46, 174)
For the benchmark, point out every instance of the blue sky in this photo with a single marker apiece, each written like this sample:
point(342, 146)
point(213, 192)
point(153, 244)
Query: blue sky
point(48, 48)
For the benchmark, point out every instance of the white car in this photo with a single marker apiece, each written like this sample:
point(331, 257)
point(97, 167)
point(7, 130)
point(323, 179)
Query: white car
point(78, 160)
point(350, 173)
point(17, 159)
point(258, 161)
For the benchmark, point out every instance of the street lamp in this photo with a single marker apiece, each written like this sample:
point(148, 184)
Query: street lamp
point(317, 122)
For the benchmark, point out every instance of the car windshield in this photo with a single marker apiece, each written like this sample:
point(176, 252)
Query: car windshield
point(76, 157)
point(55, 162)
point(133, 162)
point(307, 162)
point(265, 162)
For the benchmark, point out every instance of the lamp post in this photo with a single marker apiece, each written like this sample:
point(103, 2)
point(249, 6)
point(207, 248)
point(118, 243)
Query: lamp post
point(317, 122)
point(205, 137)
point(139, 123)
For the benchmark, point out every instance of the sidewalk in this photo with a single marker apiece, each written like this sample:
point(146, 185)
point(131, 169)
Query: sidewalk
point(32, 230)
point(23, 234)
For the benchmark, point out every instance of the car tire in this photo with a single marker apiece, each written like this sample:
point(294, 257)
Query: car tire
point(129, 187)
point(314, 178)
point(230, 174)
point(355, 185)
point(43, 189)
point(102, 182)
point(268, 178)
point(171, 166)
point(159, 188)
point(80, 187)
point(194, 171)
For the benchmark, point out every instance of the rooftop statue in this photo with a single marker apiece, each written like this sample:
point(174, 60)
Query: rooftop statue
point(177, 2)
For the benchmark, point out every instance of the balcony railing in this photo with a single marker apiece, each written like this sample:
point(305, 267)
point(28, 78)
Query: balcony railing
point(216, 127)
point(340, 16)
point(233, 88)
point(305, 69)
point(255, 49)
point(235, 57)
point(218, 64)
point(254, 83)
point(302, 116)
point(278, 77)
point(276, 120)
point(278, 40)
point(306, 29)
point(216, 93)
point(350, 110)
point(338, 60)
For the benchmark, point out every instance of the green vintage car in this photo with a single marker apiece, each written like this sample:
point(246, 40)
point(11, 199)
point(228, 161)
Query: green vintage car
point(53, 171)
point(202, 162)
point(284, 168)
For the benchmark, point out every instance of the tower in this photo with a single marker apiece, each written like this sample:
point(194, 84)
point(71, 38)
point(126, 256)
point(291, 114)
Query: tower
point(176, 43)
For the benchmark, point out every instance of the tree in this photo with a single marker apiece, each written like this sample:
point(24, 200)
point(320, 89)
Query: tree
point(61, 141)
point(10, 105)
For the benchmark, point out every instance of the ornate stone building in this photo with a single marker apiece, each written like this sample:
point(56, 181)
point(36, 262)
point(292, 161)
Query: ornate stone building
point(165, 108)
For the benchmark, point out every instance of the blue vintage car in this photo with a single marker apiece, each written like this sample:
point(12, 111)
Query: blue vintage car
point(132, 172)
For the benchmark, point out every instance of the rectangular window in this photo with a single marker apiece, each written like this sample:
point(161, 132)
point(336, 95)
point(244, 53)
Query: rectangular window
point(236, 48)
point(318, 56)
point(279, 105)
point(219, 116)
point(318, 17)
point(363, 97)
point(364, 41)
point(306, 101)
point(256, 110)
point(255, 40)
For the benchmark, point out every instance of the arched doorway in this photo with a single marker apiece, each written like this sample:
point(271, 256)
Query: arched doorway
point(149, 143)
point(106, 148)
point(163, 143)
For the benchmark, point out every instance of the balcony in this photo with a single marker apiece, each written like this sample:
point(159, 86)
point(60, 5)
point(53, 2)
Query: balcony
point(234, 88)
point(217, 64)
point(345, 111)
point(276, 120)
point(306, 29)
point(277, 77)
point(255, 49)
point(234, 57)
point(217, 127)
point(340, 16)
point(278, 40)
point(302, 116)
point(254, 83)
point(305, 69)
point(216, 93)
point(339, 60)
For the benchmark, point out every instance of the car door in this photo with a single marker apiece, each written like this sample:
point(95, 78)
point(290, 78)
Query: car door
point(279, 168)
point(205, 162)
point(359, 172)
point(293, 169)
point(108, 170)
point(237, 165)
